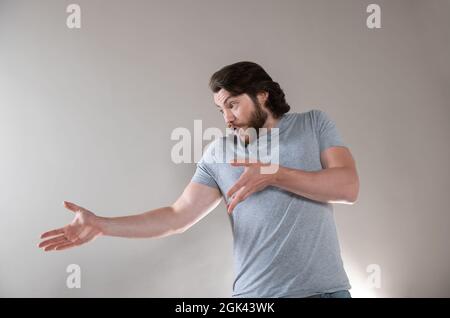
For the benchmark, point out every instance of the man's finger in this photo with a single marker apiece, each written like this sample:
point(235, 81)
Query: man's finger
point(53, 246)
point(52, 233)
point(57, 246)
point(72, 206)
point(54, 240)
point(244, 193)
point(247, 194)
point(233, 205)
point(235, 201)
point(64, 246)
point(49, 248)
point(238, 185)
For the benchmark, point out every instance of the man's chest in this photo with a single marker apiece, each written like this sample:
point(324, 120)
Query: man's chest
point(295, 152)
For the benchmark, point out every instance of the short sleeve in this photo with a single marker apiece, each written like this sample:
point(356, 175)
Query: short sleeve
point(203, 175)
point(204, 172)
point(326, 131)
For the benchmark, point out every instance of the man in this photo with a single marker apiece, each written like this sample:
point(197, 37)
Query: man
point(284, 235)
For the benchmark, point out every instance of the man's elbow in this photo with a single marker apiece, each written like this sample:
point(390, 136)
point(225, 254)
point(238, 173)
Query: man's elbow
point(352, 193)
point(176, 223)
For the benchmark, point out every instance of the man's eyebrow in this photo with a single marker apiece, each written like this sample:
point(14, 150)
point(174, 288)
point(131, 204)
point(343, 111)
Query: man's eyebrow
point(226, 99)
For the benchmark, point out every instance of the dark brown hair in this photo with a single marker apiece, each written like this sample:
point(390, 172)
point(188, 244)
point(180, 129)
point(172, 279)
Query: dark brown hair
point(250, 78)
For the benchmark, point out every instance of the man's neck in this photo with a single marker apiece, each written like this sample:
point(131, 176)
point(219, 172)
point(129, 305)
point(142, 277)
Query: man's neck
point(270, 123)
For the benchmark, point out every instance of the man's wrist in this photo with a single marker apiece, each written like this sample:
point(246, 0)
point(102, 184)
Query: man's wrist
point(101, 224)
point(277, 176)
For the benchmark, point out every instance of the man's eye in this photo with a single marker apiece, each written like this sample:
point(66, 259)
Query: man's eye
point(220, 111)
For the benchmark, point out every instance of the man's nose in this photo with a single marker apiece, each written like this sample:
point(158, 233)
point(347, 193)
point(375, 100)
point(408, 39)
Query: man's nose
point(229, 117)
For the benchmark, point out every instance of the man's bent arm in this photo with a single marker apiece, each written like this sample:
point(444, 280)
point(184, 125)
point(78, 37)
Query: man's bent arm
point(331, 185)
point(338, 182)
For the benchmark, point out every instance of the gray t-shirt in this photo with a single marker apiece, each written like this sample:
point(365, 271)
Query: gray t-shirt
point(284, 245)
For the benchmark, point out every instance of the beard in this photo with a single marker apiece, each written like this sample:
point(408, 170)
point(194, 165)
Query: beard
point(258, 117)
point(257, 120)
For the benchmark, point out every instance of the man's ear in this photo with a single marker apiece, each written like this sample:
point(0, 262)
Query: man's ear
point(262, 97)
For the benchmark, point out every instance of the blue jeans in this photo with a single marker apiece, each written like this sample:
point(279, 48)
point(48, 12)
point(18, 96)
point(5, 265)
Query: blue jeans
point(337, 294)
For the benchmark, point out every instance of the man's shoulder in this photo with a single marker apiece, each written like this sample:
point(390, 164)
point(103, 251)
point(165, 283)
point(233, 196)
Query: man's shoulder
point(300, 117)
point(315, 115)
point(219, 141)
point(214, 151)
point(310, 112)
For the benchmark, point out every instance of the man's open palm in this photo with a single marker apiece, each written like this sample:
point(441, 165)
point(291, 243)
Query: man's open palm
point(82, 230)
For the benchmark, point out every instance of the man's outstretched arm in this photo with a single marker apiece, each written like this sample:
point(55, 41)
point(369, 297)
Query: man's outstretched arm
point(196, 201)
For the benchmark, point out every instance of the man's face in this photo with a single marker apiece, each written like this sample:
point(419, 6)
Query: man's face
point(240, 111)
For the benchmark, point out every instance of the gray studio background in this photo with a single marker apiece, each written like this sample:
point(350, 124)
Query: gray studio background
point(86, 116)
